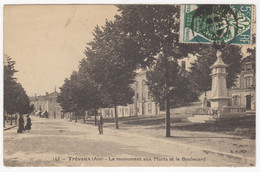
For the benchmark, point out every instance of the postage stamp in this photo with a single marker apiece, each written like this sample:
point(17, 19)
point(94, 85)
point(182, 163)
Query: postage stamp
point(229, 24)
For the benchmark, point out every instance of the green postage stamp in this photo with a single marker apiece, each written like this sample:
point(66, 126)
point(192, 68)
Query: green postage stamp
point(229, 24)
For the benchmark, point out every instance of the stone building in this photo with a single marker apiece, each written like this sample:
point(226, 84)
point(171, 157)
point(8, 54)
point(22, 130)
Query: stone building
point(143, 104)
point(243, 93)
point(47, 103)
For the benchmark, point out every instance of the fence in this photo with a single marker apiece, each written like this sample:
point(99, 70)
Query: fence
point(201, 111)
point(231, 111)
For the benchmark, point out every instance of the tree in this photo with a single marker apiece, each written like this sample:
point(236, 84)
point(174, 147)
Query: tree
point(90, 98)
point(68, 95)
point(15, 97)
point(80, 92)
point(155, 30)
point(22, 101)
point(200, 69)
point(111, 65)
point(9, 83)
point(252, 52)
point(168, 82)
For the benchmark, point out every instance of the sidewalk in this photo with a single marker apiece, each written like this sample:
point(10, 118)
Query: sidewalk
point(8, 126)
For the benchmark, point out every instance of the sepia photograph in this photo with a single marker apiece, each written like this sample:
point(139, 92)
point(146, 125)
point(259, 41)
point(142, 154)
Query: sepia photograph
point(129, 85)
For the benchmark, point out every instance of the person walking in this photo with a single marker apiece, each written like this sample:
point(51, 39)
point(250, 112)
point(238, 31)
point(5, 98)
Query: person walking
point(100, 125)
point(28, 124)
point(21, 124)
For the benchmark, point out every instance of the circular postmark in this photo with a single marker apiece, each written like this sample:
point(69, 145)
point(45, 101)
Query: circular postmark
point(215, 22)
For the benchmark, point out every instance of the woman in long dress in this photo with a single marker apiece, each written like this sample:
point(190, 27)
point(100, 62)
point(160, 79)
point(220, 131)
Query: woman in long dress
point(21, 124)
point(28, 124)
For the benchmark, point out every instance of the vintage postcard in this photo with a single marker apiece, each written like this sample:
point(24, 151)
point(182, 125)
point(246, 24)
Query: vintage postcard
point(129, 85)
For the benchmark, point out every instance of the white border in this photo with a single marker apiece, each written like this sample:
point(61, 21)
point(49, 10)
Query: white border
point(119, 169)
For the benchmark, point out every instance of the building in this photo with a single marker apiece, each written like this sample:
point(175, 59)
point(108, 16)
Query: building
point(48, 103)
point(243, 94)
point(143, 104)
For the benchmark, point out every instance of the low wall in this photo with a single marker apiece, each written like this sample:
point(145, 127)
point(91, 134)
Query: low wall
point(232, 111)
point(201, 111)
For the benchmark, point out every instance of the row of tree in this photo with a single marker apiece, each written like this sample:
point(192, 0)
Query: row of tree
point(142, 36)
point(16, 100)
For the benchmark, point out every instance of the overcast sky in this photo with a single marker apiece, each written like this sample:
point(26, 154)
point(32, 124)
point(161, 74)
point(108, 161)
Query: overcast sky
point(47, 41)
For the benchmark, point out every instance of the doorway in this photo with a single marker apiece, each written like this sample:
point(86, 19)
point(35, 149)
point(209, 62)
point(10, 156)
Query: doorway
point(248, 102)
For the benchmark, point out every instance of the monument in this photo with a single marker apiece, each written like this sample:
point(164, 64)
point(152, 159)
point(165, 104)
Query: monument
point(219, 97)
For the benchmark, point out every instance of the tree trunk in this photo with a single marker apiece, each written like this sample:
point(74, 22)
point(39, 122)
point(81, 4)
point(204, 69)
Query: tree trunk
point(7, 121)
point(95, 116)
point(4, 121)
point(116, 120)
point(15, 118)
point(167, 118)
point(70, 116)
point(11, 119)
point(156, 108)
point(84, 120)
point(167, 107)
point(76, 116)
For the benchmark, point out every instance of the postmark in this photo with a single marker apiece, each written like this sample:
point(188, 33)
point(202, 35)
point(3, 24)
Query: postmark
point(218, 24)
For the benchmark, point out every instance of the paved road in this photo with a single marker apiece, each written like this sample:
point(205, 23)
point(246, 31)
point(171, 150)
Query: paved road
point(60, 143)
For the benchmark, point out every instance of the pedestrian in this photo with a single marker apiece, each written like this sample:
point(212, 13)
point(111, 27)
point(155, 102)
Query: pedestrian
point(21, 124)
point(100, 124)
point(28, 124)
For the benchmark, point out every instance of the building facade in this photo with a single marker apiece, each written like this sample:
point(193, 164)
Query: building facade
point(243, 93)
point(47, 103)
point(142, 101)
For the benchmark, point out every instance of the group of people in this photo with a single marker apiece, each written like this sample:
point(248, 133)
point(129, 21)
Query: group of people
point(28, 125)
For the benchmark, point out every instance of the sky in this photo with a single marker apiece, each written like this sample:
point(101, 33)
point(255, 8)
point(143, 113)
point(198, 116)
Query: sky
point(47, 41)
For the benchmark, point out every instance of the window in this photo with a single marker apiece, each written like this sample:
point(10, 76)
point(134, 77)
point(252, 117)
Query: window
point(150, 108)
point(137, 96)
point(183, 64)
point(143, 84)
point(106, 112)
point(123, 112)
point(131, 111)
point(248, 81)
point(237, 83)
point(248, 66)
point(149, 94)
point(235, 100)
point(143, 96)
point(126, 111)
point(111, 113)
